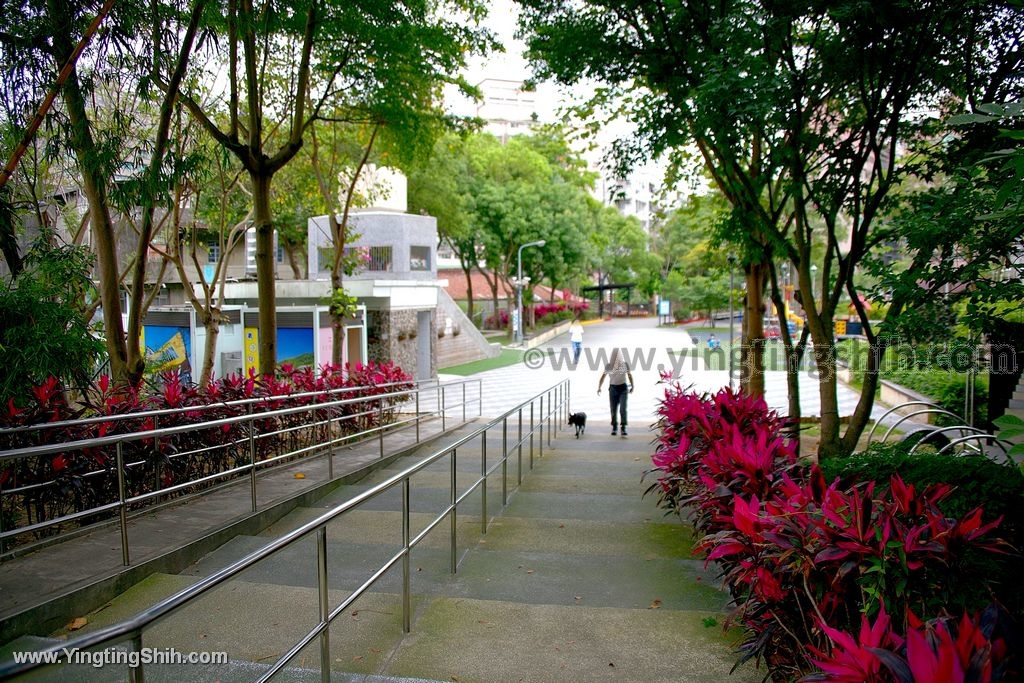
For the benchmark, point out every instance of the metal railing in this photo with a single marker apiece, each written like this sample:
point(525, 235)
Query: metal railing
point(313, 430)
point(546, 410)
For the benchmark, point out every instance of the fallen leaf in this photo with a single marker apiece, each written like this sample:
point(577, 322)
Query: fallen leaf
point(357, 658)
point(611, 664)
point(77, 623)
point(656, 604)
point(529, 571)
point(300, 475)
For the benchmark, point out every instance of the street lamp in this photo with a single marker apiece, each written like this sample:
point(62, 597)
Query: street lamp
point(814, 280)
point(732, 263)
point(519, 288)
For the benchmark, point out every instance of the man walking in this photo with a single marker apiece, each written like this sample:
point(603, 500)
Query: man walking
point(618, 372)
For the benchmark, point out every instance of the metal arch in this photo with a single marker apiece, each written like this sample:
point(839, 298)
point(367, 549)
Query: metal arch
point(979, 437)
point(904, 418)
point(962, 428)
point(889, 412)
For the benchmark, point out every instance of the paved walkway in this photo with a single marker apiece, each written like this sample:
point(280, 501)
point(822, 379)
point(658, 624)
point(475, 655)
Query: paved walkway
point(649, 348)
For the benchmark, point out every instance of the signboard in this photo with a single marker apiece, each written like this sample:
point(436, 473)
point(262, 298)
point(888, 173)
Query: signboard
point(664, 307)
point(251, 350)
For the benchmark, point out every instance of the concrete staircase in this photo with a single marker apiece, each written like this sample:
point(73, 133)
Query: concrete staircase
point(461, 342)
point(578, 579)
point(1016, 405)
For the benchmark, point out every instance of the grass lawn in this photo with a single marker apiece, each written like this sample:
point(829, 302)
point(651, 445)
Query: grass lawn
point(507, 357)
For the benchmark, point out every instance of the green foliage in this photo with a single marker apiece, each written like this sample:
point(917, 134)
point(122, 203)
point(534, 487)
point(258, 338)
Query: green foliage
point(491, 197)
point(947, 389)
point(1012, 427)
point(44, 332)
point(341, 304)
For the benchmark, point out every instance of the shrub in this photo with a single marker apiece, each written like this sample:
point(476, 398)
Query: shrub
point(976, 482)
point(83, 478)
point(499, 323)
point(808, 562)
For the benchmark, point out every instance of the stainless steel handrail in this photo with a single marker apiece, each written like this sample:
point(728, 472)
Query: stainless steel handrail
point(242, 402)
point(133, 628)
point(118, 440)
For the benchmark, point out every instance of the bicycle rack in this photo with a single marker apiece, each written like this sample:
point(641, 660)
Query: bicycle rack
point(958, 428)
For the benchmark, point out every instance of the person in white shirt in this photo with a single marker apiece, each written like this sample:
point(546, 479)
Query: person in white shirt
point(576, 338)
point(618, 372)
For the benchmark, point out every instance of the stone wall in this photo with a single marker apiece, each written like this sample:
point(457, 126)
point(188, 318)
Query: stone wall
point(394, 336)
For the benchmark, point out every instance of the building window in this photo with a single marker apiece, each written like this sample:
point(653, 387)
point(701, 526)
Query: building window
point(379, 260)
point(213, 252)
point(419, 258)
point(280, 253)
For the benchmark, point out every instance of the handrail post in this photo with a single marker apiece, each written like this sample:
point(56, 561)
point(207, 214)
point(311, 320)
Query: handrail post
point(453, 545)
point(325, 610)
point(330, 447)
point(380, 425)
point(531, 434)
point(417, 414)
point(157, 461)
point(519, 466)
point(443, 424)
point(504, 461)
point(479, 398)
point(463, 401)
point(252, 458)
point(550, 416)
point(540, 418)
point(123, 504)
point(136, 673)
point(406, 594)
point(483, 486)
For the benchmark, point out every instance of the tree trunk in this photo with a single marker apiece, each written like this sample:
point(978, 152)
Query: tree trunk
point(825, 364)
point(8, 238)
point(99, 212)
point(263, 224)
point(752, 355)
point(293, 261)
point(793, 353)
point(212, 322)
point(468, 270)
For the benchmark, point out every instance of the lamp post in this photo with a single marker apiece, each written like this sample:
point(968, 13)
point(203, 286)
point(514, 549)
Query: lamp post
point(814, 280)
point(732, 263)
point(519, 288)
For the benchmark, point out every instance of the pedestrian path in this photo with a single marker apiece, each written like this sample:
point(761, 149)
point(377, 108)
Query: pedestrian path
point(650, 349)
point(579, 579)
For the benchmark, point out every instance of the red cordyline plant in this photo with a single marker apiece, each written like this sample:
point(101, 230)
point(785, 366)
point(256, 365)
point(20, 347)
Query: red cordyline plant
point(971, 649)
point(804, 559)
point(87, 478)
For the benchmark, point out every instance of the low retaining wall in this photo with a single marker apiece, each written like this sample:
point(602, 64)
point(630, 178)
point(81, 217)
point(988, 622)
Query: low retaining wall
point(560, 328)
point(893, 394)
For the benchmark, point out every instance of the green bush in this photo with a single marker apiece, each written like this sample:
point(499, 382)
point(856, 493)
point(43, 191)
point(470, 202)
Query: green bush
point(947, 389)
point(998, 489)
point(555, 317)
point(931, 371)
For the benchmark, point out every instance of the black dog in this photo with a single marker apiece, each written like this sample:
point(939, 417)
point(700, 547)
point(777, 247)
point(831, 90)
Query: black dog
point(578, 420)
